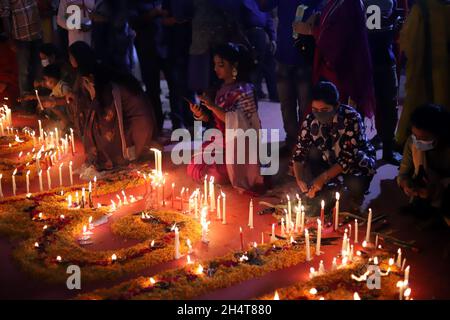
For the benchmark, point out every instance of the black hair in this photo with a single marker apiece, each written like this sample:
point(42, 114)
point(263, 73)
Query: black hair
point(433, 119)
point(327, 92)
point(49, 49)
point(104, 77)
point(83, 54)
point(236, 54)
point(52, 71)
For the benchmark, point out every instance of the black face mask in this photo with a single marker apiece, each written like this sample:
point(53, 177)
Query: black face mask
point(324, 117)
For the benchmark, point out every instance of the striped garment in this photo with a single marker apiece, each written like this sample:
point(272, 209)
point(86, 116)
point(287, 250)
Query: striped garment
point(24, 19)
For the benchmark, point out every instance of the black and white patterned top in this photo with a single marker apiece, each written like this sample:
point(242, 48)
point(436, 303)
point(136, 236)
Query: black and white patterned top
point(343, 141)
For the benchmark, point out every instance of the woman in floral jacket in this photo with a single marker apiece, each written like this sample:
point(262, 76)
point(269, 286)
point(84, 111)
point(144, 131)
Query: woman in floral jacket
point(332, 142)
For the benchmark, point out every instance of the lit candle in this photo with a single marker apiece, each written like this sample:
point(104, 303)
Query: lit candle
point(308, 253)
point(49, 179)
point(242, 238)
point(262, 237)
point(14, 181)
point(39, 100)
point(369, 224)
point(399, 258)
point(322, 211)
point(1, 189)
point(27, 179)
point(177, 244)
point(173, 194)
point(60, 175)
point(250, 214)
point(224, 213)
point(205, 191)
point(69, 201)
point(302, 221)
point(72, 139)
point(41, 132)
point(356, 231)
point(334, 264)
point(344, 244)
point(319, 237)
point(218, 208)
point(70, 173)
point(283, 231)
point(297, 219)
point(336, 221)
point(212, 194)
point(189, 244)
point(273, 238)
point(406, 279)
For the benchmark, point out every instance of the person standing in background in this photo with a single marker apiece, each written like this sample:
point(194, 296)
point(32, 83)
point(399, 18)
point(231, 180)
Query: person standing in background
point(260, 31)
point(385, 77)
point(177, 29)
point(424, 39)
point(22, 25)
point(293, 71)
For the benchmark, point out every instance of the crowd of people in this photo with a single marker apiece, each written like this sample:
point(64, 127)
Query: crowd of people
point(319, 59)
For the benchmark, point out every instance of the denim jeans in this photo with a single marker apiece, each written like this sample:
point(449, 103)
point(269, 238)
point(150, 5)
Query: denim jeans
point(293, 84)
point(29, 64)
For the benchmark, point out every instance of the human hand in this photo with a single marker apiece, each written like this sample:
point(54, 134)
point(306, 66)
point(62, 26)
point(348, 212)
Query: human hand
point(196, 110)
point(204, 99)
point(316, 186)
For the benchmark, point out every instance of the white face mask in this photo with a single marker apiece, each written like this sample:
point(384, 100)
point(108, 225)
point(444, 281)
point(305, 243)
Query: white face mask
point(423, 145)
point(45, 62)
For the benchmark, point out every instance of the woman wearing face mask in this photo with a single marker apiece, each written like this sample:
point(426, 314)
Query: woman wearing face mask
point(424, 172)
point(331, 143)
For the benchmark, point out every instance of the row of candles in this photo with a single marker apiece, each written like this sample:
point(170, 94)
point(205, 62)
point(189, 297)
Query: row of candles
point(41, 184)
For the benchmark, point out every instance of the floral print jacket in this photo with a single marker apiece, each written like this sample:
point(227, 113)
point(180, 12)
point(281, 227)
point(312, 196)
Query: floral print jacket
point(343, 141)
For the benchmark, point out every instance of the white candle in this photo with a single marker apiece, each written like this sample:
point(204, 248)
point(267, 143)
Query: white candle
point(406, 280)
point(224, 212)
point(369, 224)
point(302, 221)
point(27, 179)
point(41, 132)
point(1, 189)
point(283, 231)
point(72, 139)
point(14, 181)
point(273, 238)
point(39, 100)
point(49, 179)
point(70, 173)
point(212, 194)
point(60, 175)
point(69, 201)
point(356, 231)
point(219, 216)
point(205, 191)
point(250, 214)
point(177, 244)
point(399, 258)
point(344, 244)
point(319, 236)
point(297, 219)
point(336, 221)
point(308, 253)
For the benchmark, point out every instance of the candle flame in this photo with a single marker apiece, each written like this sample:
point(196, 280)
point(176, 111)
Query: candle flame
point(338, 196)
point(407, 292)
point(58, 258)
point(276, 296)
point(313, 291)
point(152, 281)
point(36, 245)
point(356, 296)
point(113, 257)
point(199, 269)
point(14, 172)
point(322, 204)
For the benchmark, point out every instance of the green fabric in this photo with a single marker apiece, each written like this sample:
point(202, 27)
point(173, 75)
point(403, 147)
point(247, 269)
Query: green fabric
point(425, 61)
